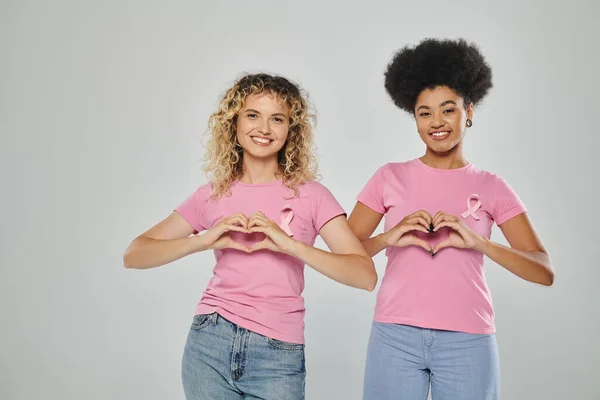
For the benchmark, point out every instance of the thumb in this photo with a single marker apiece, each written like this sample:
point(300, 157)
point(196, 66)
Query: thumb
point(422, 243)
point(441, 245)
point(238, 246)
point(262, 245)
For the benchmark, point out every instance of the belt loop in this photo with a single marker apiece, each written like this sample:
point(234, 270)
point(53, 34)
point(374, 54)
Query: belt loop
point(213, 318)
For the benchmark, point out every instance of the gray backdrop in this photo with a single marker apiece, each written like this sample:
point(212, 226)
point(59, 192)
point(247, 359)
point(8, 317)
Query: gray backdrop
point(102, 105)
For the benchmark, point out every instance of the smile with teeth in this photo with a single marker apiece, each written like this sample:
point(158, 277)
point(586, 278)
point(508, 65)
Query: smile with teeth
point(439, 135)
point(260, 140)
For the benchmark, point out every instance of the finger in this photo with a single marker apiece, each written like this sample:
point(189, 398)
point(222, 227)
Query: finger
point(236, 228)
point(258, 228)
point(417, 220)
point(424, 214)
point(450, 224)
point(237, 219)
point(254, 222)
point(262, 245)
point(441, 245)
point(238, 246)
point(422, 243)
point(258, 246)
point(258, 214)
point(444, 217)
point(414, 227)
point(243, 217)
point(421, 220)
point(437, 218)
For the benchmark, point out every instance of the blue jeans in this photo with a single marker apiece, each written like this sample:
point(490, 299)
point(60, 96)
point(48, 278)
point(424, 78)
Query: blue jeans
point(402, 362)
point(223, 361)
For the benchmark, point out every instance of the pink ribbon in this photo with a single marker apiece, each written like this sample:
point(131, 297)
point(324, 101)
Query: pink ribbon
point(471, 209)
point(287, 214)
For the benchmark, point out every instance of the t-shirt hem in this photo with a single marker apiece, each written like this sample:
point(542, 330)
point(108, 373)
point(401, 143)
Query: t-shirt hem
point(336, 214)
point(188, 219)
point(510, 214)
point(251, 326)
point(403, 321)
point(370, 204)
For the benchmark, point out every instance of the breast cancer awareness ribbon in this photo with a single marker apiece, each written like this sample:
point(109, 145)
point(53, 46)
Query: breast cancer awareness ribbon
point(472, 208)
point(287, 214)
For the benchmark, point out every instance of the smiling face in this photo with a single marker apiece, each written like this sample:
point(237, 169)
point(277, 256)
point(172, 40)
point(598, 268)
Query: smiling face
point(441, 117)
point(263, 125)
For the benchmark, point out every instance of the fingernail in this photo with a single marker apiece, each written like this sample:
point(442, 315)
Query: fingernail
point(430, 227)
point(433, 253)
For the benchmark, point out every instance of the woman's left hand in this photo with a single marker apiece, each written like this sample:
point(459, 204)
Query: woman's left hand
point(276, 239)
point(460, 236)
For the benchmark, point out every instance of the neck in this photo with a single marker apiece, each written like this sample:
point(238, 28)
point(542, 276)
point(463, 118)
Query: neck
point(450, 160)
point(259, 171)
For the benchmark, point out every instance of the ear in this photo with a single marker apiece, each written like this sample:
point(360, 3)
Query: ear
point(470, 108)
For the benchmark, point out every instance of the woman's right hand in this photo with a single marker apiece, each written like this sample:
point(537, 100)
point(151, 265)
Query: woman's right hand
point(218, 237)
point(402, 235)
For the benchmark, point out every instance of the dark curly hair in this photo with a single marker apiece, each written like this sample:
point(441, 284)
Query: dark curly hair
point(433, 62)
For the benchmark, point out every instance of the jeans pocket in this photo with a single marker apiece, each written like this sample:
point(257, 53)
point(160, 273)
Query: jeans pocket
point(281, 345)
point(200, 321)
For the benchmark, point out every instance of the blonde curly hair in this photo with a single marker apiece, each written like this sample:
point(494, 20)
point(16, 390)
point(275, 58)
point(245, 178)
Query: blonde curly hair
point(224, 157)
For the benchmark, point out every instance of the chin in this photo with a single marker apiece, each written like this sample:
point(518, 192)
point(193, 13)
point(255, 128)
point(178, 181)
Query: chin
point(442, 149)
point(265, 155)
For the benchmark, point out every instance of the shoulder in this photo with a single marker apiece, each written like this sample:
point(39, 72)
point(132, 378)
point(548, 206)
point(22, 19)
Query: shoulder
point(313, 188)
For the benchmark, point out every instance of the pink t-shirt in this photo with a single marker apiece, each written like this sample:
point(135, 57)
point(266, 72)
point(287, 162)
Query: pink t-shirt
point(448, 291)
point(261, 291)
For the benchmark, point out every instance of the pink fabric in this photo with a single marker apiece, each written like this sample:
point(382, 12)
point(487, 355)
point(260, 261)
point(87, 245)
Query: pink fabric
point(448, 291)
point(261, 291)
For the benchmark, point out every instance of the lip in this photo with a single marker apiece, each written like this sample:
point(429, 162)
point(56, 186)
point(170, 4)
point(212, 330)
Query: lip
point(263, 138)
point(438, 137)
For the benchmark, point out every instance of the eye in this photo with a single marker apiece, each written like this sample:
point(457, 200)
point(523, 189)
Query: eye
point(251, 115)
point(278, 120)
point(448, 111)
point(424, 114)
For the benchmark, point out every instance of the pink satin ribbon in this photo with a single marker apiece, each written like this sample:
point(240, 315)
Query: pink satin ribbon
point(286, 215)
point(471, 209)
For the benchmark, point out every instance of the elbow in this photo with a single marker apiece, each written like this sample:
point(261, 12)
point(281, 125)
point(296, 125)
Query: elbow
point(128, 259)
point(371, 282)
point(549, 278)
point(549, 275)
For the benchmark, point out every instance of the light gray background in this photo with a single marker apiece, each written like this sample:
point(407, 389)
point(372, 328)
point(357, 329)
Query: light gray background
point(102, 105)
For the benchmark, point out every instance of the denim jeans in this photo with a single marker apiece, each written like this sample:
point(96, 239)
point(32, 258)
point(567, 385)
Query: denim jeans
point(403, 361)
point(223, 361)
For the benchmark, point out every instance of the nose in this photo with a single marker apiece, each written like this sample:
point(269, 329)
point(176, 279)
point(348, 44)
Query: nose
point(437, 121)
point(264, 127)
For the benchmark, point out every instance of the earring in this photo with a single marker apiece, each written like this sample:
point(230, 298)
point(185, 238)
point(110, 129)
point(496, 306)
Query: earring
point(469, 123)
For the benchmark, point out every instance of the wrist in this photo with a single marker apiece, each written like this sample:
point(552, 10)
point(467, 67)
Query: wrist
point(292, 247)
point(382, 239)
point(482, 244)
point(199, 243)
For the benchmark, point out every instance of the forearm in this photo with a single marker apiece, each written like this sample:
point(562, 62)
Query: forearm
point(374, 245)
point(144, 252)
point(533, 266)
point(349, 269)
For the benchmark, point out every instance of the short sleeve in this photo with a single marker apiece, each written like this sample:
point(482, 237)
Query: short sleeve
point(507, 203)
point(193, 209)
point(325, 206)
point(372, 194)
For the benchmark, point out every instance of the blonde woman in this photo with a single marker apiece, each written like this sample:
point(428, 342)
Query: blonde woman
point(260, 213)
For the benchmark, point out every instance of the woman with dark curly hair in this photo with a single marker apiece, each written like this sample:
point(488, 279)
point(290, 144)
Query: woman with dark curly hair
point(434, 319)
point(260, 213)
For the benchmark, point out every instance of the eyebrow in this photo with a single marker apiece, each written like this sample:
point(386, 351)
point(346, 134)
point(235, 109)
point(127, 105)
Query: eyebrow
point(251, 110)
point(445, 103)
